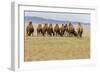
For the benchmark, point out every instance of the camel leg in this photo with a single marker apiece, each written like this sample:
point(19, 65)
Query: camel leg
point(53, 33)
point(37, 33)
point(32, 34)
point(81, 34)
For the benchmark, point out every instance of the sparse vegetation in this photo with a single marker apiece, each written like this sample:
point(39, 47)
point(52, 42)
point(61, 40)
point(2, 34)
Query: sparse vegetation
point(57, 48)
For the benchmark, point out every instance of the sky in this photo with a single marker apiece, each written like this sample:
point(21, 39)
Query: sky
point(77, 17)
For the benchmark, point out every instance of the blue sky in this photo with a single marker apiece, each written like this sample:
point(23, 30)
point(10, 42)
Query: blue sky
point(61, 16)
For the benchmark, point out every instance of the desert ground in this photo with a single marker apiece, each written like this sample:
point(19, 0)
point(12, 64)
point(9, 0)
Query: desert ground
point(57, 48)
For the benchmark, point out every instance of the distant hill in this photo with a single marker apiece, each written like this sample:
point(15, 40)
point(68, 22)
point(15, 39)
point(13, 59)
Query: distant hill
point(41, 20)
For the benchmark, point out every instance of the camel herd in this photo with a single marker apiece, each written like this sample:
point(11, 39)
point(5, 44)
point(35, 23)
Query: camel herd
point(49, 30)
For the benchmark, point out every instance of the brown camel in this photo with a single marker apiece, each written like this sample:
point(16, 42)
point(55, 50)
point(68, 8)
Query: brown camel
point(30, 29)
point(57, 30)
point(71, 30)
point(79, 30)
point(39, 29)
point(50, 30)
point(66, 29)
point(62, 30)
point(45, 29)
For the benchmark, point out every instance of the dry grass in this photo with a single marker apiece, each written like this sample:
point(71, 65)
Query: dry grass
point(57, 48)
